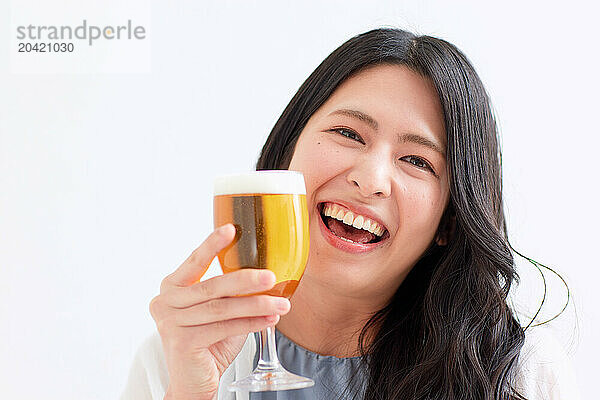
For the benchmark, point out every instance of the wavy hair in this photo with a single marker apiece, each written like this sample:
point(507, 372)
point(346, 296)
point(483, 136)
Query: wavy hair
point(448, 332)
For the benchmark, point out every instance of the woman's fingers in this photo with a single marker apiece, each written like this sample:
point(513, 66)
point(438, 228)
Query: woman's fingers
point(198, 262)
point(231, 308)
point(244, 281)
point(223, 329)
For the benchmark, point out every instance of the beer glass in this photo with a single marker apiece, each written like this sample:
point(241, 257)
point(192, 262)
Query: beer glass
point(269, 212)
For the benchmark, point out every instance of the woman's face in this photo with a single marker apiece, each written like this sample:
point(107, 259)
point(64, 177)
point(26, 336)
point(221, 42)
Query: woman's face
point(375, 149)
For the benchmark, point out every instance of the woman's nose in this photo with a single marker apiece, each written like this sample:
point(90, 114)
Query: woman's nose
point(371, 177)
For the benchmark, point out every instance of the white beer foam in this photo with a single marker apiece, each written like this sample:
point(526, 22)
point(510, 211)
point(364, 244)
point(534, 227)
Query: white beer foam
point(266, 182)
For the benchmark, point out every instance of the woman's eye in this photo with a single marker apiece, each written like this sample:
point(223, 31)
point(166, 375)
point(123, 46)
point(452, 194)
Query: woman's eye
point(350, 134)
point(418, 162)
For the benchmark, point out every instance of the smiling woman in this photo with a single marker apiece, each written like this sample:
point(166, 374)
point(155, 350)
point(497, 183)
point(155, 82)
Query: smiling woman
point(389, 169)
point(405, 290)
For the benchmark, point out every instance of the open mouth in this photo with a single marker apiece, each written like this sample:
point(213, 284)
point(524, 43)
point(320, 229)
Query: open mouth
point(350, 227)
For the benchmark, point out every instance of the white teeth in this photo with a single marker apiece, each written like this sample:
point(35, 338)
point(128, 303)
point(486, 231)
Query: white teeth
point(328, 210)
point(347, 217)
point(358, 222)
point(367, 225)
point(375, 230)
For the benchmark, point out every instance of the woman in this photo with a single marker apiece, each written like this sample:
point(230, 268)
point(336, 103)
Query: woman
point(398, 129)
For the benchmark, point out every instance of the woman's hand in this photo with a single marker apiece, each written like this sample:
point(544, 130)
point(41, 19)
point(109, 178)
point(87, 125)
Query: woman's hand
point(203, 326)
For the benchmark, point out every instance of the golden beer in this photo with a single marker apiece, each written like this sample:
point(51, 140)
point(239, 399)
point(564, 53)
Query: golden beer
point(271, 227)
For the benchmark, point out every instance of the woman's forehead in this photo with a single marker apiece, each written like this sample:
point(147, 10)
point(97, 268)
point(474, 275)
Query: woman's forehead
point(388, 97)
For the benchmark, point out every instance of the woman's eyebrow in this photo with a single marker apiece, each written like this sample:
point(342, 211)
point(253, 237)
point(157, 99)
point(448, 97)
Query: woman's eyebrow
point(407, 137)
point(423, 141)
point(366, 118)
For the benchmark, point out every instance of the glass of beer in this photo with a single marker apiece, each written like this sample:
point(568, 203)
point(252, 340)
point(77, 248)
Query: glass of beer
point(269, 212)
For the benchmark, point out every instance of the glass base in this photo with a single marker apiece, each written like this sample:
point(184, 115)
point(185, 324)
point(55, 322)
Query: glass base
point(263, 381)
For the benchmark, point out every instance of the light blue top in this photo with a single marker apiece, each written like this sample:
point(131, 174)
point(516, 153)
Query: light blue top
point(335, 378)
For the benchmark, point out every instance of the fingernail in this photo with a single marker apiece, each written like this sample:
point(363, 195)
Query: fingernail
point(283, 304)
point(265, 277)
point(223, 229)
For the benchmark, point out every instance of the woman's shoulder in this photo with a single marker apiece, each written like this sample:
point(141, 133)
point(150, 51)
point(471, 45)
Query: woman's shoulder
point(148, 376)
point(544, 369)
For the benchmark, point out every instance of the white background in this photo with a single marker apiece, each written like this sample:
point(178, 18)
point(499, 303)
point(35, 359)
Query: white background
point(106, 178)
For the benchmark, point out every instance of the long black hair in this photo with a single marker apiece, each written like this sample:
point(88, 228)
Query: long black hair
point(448, 332)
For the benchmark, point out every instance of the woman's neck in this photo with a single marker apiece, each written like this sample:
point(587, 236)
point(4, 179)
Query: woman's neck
point(325, 322)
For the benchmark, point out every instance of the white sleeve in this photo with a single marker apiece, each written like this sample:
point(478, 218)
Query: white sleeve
point(239, 368)
point(149, 378)
point(545, 370)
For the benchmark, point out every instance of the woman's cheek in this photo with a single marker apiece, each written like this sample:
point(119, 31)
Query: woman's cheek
point(423, 205)
point(322, 161)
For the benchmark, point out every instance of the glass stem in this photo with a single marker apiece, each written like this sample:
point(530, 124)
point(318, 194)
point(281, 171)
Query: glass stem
point(267, 361)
